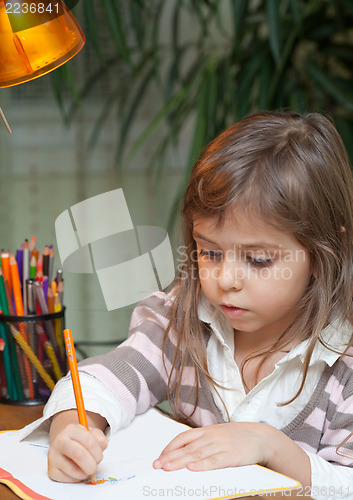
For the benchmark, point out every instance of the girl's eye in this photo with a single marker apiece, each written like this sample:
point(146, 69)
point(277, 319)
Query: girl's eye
point(260, 262)
point(210, 254)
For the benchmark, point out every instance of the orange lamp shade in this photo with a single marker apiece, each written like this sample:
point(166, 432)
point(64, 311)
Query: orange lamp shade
point(36, 37)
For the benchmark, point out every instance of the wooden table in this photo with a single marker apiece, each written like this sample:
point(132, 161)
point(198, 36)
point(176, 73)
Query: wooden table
point(13, 417)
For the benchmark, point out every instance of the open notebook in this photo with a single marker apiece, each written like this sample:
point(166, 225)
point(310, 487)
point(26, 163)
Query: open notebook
point(127, 472)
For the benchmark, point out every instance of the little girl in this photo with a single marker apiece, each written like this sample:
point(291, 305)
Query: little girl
point(253, 345)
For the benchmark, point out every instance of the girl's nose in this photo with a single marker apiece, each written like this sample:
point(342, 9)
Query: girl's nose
point(230, 276)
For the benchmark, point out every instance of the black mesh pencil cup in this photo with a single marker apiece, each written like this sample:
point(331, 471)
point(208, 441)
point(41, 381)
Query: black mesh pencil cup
point(33, 358)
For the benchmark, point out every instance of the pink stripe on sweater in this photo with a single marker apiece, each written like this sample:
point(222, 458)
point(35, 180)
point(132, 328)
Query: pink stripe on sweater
point(122, 394)
point(306, 447)
point(141, 342)
point(146, 399)
point(149, 350)
point(142, 313)
point(334, 389)
point(333, 437)
point(316, 418)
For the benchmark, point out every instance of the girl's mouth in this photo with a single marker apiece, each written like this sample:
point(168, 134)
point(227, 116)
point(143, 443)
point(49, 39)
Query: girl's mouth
point(233, 312)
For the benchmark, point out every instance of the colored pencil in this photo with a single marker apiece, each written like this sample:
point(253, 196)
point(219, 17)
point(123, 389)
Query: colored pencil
point(33, 267)
point(25, 274)
point(16, 285)
point(71, 356)
point(50, 300)
point(50, 353)
point(48, 325)
point(19, 260)
point(46, 261)
point(8, 298)
point(60, 290)
point(51, 263)
point(11, 387)
point(5, 264)
point(32, 350)
point(32, 357)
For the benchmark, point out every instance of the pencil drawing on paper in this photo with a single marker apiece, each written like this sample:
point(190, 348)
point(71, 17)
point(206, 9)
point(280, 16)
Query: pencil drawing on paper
point(111, 480)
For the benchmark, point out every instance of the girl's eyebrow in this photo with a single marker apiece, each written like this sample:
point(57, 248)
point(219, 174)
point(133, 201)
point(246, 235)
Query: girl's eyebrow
point(260, 244)
point(200, 237)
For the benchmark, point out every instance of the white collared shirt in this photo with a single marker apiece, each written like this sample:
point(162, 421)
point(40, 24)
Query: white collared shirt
point(278, 387)
point(260, 404)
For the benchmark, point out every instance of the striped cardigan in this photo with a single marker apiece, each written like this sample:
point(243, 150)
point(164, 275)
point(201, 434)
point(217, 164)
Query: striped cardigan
point(136, 374)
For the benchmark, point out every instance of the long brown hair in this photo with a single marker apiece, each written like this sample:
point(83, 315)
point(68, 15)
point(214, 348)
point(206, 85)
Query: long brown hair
point(294, 172)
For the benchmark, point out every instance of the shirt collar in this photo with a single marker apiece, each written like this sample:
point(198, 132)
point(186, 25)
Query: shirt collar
point(336, 335)
point(218, 323)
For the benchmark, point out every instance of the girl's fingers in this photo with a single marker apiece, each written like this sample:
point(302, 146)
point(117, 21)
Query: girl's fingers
point(182, 440)
point(212, 462)
point(65, 470)
point(100, 438)
point(75, 455)
point(183, 451)
point(178, 459)
point(87, 439)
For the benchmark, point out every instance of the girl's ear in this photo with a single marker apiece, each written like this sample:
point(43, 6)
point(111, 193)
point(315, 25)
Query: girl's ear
point(343, 229)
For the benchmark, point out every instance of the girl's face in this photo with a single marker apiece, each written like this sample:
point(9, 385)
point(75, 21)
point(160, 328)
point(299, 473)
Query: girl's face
point(253, 273)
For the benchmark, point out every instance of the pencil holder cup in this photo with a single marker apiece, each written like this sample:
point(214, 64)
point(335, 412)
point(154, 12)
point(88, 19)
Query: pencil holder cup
point(33, 358)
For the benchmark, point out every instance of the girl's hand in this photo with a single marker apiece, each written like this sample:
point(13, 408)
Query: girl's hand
point(75, 452)
point(234, 444)
point(217, 446)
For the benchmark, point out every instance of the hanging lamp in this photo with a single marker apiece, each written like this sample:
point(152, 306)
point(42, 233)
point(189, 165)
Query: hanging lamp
point(36, 37)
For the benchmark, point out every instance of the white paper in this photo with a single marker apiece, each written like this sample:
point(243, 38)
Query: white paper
point(128, 463)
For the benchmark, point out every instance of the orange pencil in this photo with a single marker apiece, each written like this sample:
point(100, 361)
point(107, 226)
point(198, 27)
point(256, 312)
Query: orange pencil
point(16, 286)
point(39, 270)
point(71, 356)
point(35, 253)
point(5, 264)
